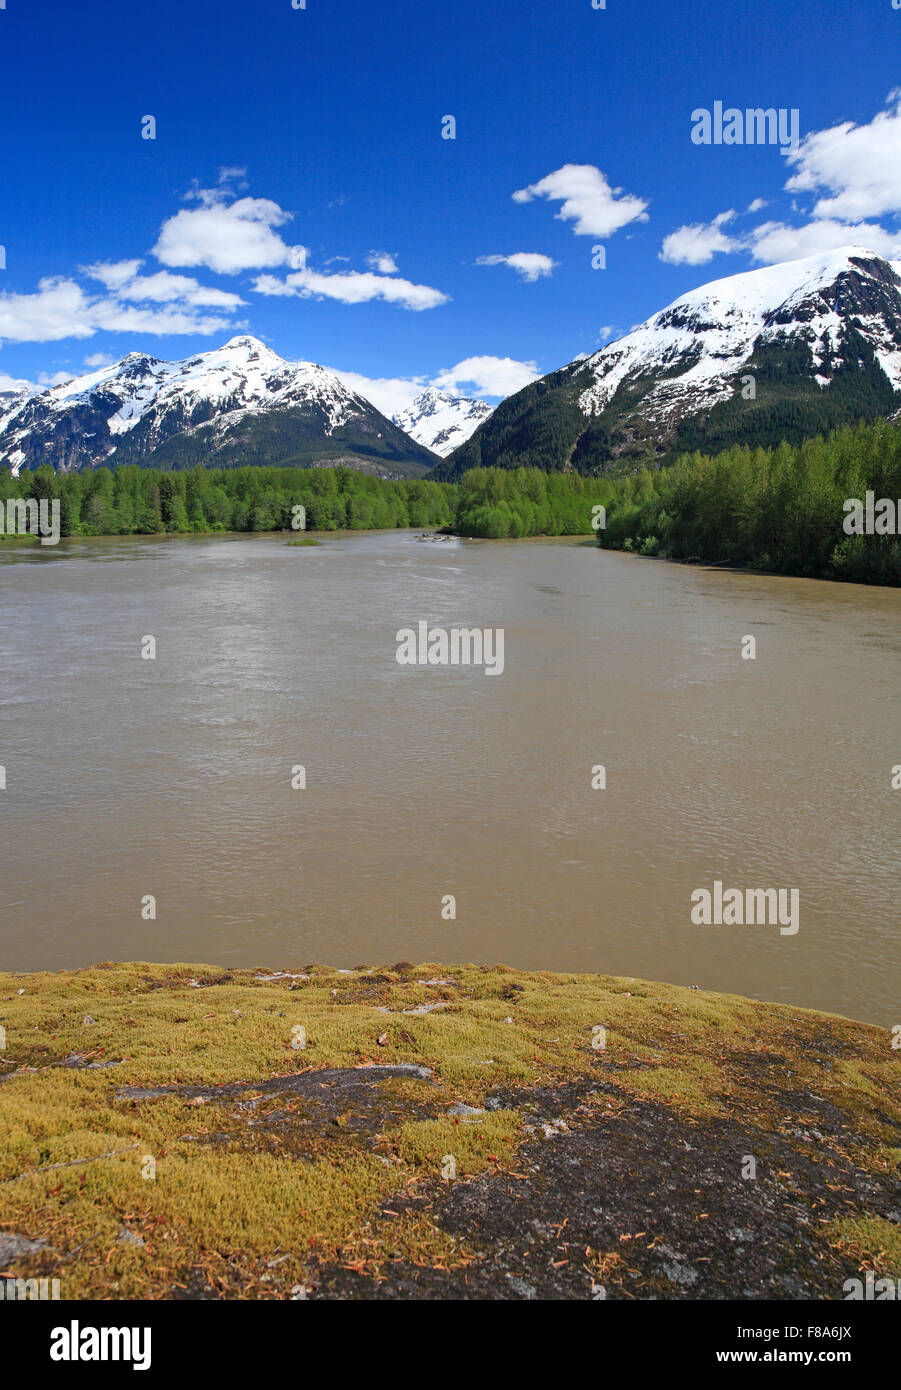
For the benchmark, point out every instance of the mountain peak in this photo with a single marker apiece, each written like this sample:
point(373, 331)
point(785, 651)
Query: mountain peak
point(779, 352)
point(240, 402)
point(764, 290)
point(245, 342)
point(441, 420)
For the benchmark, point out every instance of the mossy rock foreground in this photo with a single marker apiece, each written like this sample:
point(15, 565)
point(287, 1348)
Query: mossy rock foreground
point(436, 1131)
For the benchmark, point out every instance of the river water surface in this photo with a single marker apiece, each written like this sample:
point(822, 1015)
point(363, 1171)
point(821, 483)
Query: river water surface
point(172, 777)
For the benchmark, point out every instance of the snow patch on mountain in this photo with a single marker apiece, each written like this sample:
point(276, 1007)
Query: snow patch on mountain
point(441, 421)
point(221, 386)
point(705, 337)
point(244, 374)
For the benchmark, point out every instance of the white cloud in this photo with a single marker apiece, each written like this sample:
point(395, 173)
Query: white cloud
point(475, 376)
point(606, 333)
point(99, 359)
point(487, 376)
point(587, 200)
point(53, 378)
point(60, 308)
point(162, 287)
point(227, 237)
point(113, 274)
point(201, 296)
point(381, 261)
point(777, 241)
point(530, 265)
point(226, 234)
point(11, 383)
point(352, 287)
point(232, 174)
point(699, 242)
point(121, 318)
point(859, 167)
point(774, 241)
point(388, 394)
point(855, 170)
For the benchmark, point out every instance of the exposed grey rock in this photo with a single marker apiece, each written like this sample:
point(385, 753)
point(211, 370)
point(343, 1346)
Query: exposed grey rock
point(16, 1247)
point(127, 1237)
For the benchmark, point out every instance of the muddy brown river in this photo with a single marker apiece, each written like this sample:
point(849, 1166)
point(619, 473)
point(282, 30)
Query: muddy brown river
point(175, 778)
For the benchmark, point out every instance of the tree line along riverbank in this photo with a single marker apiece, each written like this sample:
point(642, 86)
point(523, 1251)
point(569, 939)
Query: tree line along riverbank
point(784, 510)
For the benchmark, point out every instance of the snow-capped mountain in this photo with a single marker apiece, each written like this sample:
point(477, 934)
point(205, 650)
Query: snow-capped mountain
point(441, 421)
point(714, 331)
point(11, 399)
point(240, 403)
point(782, 352)
point(13, 394)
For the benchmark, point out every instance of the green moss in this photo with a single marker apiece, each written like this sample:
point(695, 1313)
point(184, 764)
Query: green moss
point(221, 1189)
point(473, 1143)
point(875, 1242)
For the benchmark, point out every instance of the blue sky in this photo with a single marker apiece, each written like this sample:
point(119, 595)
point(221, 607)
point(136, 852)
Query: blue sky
point(339, 187)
